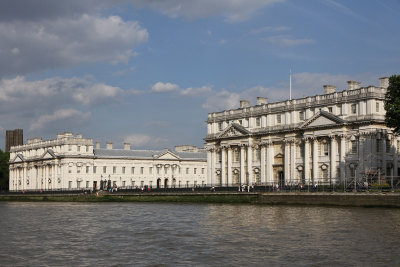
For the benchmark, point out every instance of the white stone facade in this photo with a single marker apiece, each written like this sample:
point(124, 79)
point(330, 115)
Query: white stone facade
point(71, 162)
point(324, 138)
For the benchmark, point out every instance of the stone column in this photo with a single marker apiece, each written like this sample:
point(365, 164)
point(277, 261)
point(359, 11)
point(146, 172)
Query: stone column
point(315, 160)
point(342, 157)
point(229, 183)
point(287, 161)
point(262, 162)
point(394, 156)
point(223, 166)
point(333, 159)
point(293, 162)
point(306, 160)
point(250, 163)
point(270, 161)
point(361, 153)
point(242, 167)
point(209, 159)
point(384, 155)
point(213, 162)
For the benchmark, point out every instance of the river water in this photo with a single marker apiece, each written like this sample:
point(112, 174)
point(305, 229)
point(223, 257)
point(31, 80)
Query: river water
point(154, 234)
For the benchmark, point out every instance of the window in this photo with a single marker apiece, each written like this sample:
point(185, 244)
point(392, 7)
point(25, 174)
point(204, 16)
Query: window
point(87, 148)
point(202, 170)
point(79, 148)
point(141, 170)
point(219, 126)
point(141, 183)
point(325, 173)
point(240, 122)
point(70, 184)
point(104, 169)
point(278, 118)
point(353, 109)
point(187, 170)
point(133, 183)
point(158, 170)
point(69, 148)
point(69, 169)
point(133, 170)
point(378, 145)
point(87, 184)
point(398, 146)
point(352, 172)
point(123, 170)
point(114, 169)
point(257, 154)
point(123, 183)
point(326, 149)
point(338, 110)
point(87, 169)
point(330, 109)
point(388, 145)
point(151, 170)
point(236, 155)
point(353, 147)
point(220, 156)
point(258, 122)
point(194, 170)
point(78, 184)
point(377, 106)
point(301, 115)
point(78, 169)
point(94, 169)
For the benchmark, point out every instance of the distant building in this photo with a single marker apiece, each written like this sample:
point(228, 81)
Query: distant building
point(326, 138)
point(14, 138)
point(72, 162)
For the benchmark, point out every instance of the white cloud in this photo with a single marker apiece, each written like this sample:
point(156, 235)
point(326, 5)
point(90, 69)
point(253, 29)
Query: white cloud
point(67, 41)
point(60, 116)
point(270, 29)
point(287, 40)
point(231, 10)
point(161, 87)
point(200, 91)
point(142, 140)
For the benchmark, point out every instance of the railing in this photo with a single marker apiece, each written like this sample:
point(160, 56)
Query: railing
point(360, 184)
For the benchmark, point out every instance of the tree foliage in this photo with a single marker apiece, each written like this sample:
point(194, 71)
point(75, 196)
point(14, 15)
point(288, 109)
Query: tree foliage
point(4, 158)
point(392, 104)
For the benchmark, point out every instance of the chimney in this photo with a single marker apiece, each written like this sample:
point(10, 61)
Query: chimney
point(353, 85)
point(109, 145)
point(127, 146)
point(244, 103)
point(384, 82)
point(262, 100)
point(329, 89)
point(97, 145)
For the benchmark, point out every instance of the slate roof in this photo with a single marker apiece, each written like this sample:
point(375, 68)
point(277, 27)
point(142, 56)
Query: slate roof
point(144, 154)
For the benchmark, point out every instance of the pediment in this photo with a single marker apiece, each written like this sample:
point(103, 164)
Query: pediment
point(279, 155)
point(18, 158)
point(234, 130)
point(49, 154)
point(322, 119)
point(167, 155)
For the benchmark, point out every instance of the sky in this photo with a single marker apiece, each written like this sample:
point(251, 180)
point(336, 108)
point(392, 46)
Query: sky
point(149, 72)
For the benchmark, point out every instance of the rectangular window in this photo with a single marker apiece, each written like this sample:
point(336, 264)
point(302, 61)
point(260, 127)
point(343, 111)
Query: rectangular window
point(87, 184)
point(301, 115)
point(338, 110)
point(104, 169)
point(378, 145)
point(123, 170)
point(123, 183)
point(377, 106)
point(236, 155)
point(151, 170)
point(158, 170)
point(78, 169)
point(353, 147)
point(133, 170)
point(326, 149)
point(69, 148)
point(114, 169)
point(258, 122)
point(187, 170)
point(87, 148)
point(94, 169)
point(69, 169)
point(78, 184)
point(330, 109)
point(353, 109)
point(141, 183)
point(70, 184)
point(79, 149)
point(388, 146)
point(87, 169)
point(133, 183)
point(240, 122)
point(194, 170)
point(202, 170)
point(219, 126)
point(278, 118)
point(141, 170)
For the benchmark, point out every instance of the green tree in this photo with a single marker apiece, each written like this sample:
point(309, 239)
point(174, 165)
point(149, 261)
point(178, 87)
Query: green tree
point(4, 158)
point(392, 104)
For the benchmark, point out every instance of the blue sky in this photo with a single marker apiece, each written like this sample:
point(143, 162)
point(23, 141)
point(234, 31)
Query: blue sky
point(149, 72)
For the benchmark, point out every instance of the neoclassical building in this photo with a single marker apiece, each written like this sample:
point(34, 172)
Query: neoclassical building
point(72, 162)
point(325, 138)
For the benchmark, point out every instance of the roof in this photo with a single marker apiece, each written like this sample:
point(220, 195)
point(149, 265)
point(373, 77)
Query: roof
point(143, 154)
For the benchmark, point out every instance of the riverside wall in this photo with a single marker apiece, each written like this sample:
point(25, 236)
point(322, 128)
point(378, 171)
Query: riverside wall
point(303, 198)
